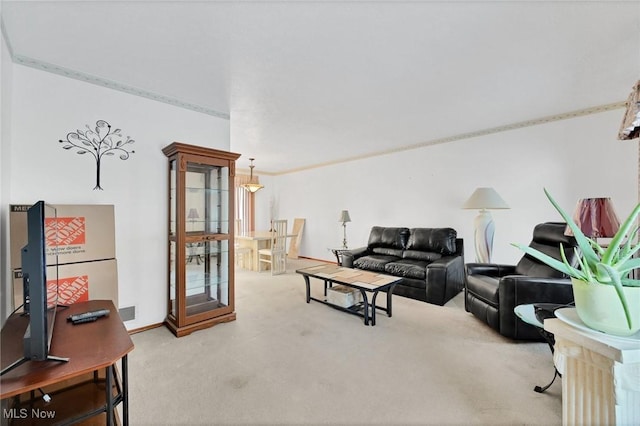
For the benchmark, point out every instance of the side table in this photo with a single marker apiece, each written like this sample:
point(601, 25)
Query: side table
point(338, 252)
point(527, 314)
point(601, 374)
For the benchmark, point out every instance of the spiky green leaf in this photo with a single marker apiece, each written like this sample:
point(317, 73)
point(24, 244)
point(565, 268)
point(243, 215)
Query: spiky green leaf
point(616, 242)
point(617, 283)
point(583, 242)
point(554, 263)
point(628, 282)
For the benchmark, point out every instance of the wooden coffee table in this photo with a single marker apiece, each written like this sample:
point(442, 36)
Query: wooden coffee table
point(365, 281)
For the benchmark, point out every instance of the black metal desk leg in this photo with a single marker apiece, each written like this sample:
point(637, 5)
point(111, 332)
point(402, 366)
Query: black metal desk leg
point(125, 391)
point(109, 394)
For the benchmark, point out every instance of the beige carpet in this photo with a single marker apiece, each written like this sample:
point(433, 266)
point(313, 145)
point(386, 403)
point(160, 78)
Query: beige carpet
point(284, 361)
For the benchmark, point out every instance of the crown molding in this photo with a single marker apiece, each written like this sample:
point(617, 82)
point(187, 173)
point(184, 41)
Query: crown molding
point(88, 78)
point(492, 130)
point(41, 65)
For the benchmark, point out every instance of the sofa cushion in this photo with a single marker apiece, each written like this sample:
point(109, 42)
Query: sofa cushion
point(437, 240)
point(387, 237)
point(421, 255)
point(373, 262)
point(387, 251)
point(409, 268)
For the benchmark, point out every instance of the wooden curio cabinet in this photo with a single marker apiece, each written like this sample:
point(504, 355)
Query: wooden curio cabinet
point(201, 203)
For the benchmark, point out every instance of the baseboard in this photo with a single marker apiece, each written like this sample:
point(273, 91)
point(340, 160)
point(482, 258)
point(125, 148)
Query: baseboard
point(318, 260)
point(145, 328)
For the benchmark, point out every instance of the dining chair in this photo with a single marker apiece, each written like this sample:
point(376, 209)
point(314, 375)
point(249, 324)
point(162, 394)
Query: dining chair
point(242, 253)
point(276, 255)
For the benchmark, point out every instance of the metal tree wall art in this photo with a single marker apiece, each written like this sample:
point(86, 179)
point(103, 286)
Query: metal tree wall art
point(99, 142)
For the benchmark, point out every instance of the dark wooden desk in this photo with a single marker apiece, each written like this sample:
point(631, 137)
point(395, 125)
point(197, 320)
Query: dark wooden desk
point(91, 348)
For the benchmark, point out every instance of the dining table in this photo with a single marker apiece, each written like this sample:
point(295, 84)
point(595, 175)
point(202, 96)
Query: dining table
point(255, 240)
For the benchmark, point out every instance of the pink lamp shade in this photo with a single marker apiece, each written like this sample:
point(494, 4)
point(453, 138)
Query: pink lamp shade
point(596, 218)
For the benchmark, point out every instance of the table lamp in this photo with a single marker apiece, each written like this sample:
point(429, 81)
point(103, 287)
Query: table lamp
point(344, 218)
point(192, 216)
point(596, 218)
point(484, 199)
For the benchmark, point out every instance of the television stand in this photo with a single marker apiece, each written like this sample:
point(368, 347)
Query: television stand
point(25, 359)
point(92, 384)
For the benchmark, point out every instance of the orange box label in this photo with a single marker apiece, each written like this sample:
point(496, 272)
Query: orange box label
point(65, 231)
point(70, 290)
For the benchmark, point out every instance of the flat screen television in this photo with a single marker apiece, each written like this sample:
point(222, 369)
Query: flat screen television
point(40, 279)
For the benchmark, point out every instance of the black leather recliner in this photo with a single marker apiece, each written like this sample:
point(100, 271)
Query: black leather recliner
point(492, 290)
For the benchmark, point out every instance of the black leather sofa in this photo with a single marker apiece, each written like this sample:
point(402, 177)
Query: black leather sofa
point(429, 260)
point(492, 291)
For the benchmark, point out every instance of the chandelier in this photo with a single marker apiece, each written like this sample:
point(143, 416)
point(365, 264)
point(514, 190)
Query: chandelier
point(252, 186)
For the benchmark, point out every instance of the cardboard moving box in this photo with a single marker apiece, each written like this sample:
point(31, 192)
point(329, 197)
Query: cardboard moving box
point(81, 241)
point(82, 233)
point(77, 282)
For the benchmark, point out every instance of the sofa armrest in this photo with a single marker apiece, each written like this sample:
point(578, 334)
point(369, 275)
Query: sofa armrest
point(349, 256)
point(445, 279)
point(517, 290)
point(489, 269)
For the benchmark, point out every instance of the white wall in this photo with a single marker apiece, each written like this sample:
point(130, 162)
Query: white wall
point(45, 108)
point(426, 187)
point(5, 170)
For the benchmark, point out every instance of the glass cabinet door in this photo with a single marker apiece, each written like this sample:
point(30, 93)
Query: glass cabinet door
point(207, 276)
point(207, 199)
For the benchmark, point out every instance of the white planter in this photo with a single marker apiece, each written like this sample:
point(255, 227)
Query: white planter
point(600, 308)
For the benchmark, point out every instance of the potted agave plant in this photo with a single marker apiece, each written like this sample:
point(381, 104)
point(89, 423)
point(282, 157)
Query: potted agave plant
point(606, 298)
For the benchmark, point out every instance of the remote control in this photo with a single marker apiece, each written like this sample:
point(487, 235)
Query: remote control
point(83, 320)
point(90, 314)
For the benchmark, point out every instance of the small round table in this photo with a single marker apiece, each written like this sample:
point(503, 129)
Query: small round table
point(338, 252)
point(527, 313)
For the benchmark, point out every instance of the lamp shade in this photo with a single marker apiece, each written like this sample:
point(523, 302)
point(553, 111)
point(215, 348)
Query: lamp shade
point(344, 216)
point(596, 218)
point(253, 185)
point(193, 213)
point(485, 198)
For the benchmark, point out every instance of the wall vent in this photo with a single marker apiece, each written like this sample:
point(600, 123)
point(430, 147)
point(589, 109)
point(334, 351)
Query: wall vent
point(128, 313)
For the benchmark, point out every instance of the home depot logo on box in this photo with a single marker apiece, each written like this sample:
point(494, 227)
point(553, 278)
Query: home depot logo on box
point(65, 234)
point(70, 290)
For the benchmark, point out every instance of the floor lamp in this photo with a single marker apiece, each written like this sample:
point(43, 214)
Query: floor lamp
point(484, 199)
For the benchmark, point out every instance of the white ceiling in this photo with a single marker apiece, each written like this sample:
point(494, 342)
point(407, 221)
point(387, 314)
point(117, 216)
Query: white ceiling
point(311, 82)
